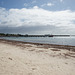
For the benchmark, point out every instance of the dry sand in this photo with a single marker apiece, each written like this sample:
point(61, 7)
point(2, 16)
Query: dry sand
point(31, 59)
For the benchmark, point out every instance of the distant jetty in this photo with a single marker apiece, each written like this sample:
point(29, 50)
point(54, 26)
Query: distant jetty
point(26, 35)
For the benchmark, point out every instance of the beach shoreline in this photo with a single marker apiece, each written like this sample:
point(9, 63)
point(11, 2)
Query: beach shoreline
point(24, 58)
point(68, 47)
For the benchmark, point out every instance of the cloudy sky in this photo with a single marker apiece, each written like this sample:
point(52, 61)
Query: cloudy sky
point(37, 16)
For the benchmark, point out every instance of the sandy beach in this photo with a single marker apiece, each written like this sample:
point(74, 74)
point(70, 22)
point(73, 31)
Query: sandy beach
point(19, 58)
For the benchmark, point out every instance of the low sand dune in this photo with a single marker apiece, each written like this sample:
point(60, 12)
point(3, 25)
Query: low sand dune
point(31, 59)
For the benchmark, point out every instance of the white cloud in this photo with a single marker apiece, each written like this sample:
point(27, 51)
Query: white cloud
point(35, 7)
point(50, 4)
point(36, 17)
point(47, 4)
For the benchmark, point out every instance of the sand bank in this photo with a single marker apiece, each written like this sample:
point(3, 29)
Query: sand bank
point(20, 58)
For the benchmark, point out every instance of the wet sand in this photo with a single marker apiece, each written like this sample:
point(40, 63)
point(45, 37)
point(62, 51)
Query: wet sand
point(21, 58)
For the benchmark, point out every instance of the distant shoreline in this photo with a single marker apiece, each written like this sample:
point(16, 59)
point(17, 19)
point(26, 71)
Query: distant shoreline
point(14, 42)
point(27, 35)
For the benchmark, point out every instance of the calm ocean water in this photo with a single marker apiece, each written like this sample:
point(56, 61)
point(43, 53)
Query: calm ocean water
point(46, 40)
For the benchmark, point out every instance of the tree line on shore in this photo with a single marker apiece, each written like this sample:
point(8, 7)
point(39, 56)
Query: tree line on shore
point(9, 35)
point(20, 35)
point(26, 35)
